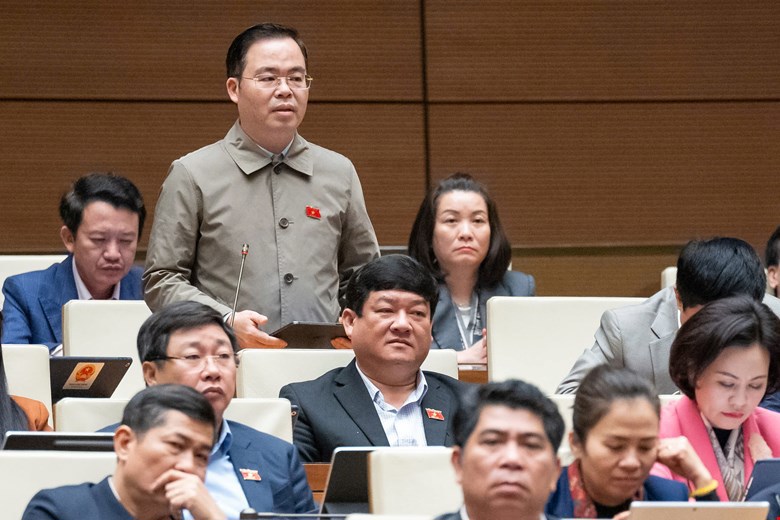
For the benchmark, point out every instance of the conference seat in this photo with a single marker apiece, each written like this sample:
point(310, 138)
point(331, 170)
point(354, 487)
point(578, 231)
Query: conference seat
point(270, 415)
point(11, 265)
point(565, 404)
point(668, 277)
point(409, 481)
point(538, 339)
point(27, 373)
point(108, 329)
point(263, 372)
point(27, 472)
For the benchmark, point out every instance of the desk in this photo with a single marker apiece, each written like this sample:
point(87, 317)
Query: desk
point(473, 374)
point(317, 475)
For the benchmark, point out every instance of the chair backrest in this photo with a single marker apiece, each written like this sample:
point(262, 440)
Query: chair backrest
point(668, 277)
point(106, 328)
point(27, 472)
point(263, 372)
point(565, 402)
point(27, 372)
point(270, 415)
point(538, 339)
point(18, 264)
point(408, 481)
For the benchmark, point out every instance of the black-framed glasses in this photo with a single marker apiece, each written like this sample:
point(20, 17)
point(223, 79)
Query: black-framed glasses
point(269, 81)
point(198, 362)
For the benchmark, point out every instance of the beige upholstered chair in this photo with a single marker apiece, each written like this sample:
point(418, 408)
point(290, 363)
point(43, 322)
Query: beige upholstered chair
point(668, 277)
point(27, 373)
point(538, 339)
point(408, 481)
point(106, 328)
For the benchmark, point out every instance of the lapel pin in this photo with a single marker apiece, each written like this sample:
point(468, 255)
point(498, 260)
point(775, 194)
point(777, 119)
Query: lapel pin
point(434, 414)
point(313, 212)
point(250, 474)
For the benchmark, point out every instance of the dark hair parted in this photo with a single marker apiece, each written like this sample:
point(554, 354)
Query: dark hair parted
point(708, 270)
point(156, 331)
point(499, 255)
point(513, 394)
point(738, 321)
point(235, 62)
point(12, 417)
point(103, 187)
point(387, 273)
point(149, 407)
point(601, 387)
point(773, 249)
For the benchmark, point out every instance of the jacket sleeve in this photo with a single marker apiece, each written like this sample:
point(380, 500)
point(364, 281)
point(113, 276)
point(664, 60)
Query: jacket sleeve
point(17, 326)
point(173, 244)
point(607, 349)
point(303, 433)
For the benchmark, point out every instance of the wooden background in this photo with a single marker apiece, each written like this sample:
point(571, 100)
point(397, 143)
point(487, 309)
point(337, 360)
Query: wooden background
point(610, 132)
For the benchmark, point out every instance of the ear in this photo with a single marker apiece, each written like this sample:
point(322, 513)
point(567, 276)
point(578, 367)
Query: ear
point(348, 318)
point(67, 238)
point(232, 89)
point(124, 437)
point(150, 370)
point(773, 277)
point(457, 452)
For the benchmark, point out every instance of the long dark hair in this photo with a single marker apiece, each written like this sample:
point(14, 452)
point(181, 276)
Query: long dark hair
point(499, 255)
point(12, 417)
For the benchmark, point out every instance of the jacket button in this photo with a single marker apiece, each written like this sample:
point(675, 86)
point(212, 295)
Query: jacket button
point(283, 223)
point(288, 278)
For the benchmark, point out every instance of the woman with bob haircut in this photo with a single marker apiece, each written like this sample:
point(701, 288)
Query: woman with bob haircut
point(458, 237)
point(615, 443)
point(19, 413)
point(724, 359)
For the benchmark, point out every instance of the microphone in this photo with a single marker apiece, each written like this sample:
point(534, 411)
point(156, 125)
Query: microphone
point(244, 252)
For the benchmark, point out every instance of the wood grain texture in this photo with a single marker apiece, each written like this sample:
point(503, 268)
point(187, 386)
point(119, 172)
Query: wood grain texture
point(602, 50)
point(358, 50)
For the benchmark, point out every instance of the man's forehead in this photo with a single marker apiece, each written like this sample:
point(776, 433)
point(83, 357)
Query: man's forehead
point(203, 335)
point(512, 421)
point(177, 424)
point(396, 296)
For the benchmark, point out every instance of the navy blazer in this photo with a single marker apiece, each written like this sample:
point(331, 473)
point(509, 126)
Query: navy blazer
point(32, 312)
point(336, 410)
point(81, 502)
point(657, 489)
point(445, 325)
point(282, 487)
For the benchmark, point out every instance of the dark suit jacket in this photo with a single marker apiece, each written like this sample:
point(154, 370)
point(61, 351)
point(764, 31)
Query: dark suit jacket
point(657, 489)
point(283, 487)
point(81, 502)
point(32, 312)
point(445, 326)
point(771, 495)
point(336, 410)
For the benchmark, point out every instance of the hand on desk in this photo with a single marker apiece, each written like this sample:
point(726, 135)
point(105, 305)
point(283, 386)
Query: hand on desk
point(246, 327)
point(476, 353)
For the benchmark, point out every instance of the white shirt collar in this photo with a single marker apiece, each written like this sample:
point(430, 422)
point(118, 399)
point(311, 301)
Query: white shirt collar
point(82, 290)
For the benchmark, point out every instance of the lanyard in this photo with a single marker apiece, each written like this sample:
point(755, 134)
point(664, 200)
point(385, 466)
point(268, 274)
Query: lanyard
point(468, 331)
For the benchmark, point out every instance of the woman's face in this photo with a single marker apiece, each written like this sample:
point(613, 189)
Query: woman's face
point(461, 234)
point(730, 388)
point(619, 451)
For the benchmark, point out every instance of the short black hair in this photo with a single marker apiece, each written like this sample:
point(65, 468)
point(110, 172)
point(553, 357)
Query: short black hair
point(391, 272)
point(708, 270)
point(156, 331)
point(514, 394)
point(499, 255)
point(601, 387)
point(235, 62)
point(738, 321)
point(113, 189)
point(773, 249)
point(149, 407)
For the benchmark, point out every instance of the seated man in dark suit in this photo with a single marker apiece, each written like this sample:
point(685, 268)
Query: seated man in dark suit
point(640, 336)
point(381, 398)
point(102, 215)
point(507, 437)
point(162, 448)
point(189, 343)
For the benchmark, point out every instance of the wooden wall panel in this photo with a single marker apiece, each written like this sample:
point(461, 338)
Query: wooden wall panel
point(45, 145)
point(618, 174)
point(602, 49)
point(359, 50)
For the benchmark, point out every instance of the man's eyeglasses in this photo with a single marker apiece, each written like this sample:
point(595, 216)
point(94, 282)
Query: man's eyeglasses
point(269, 81)
point(198, 362)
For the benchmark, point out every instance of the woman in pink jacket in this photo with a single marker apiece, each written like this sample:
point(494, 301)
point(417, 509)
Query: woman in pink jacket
point(724, 360)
